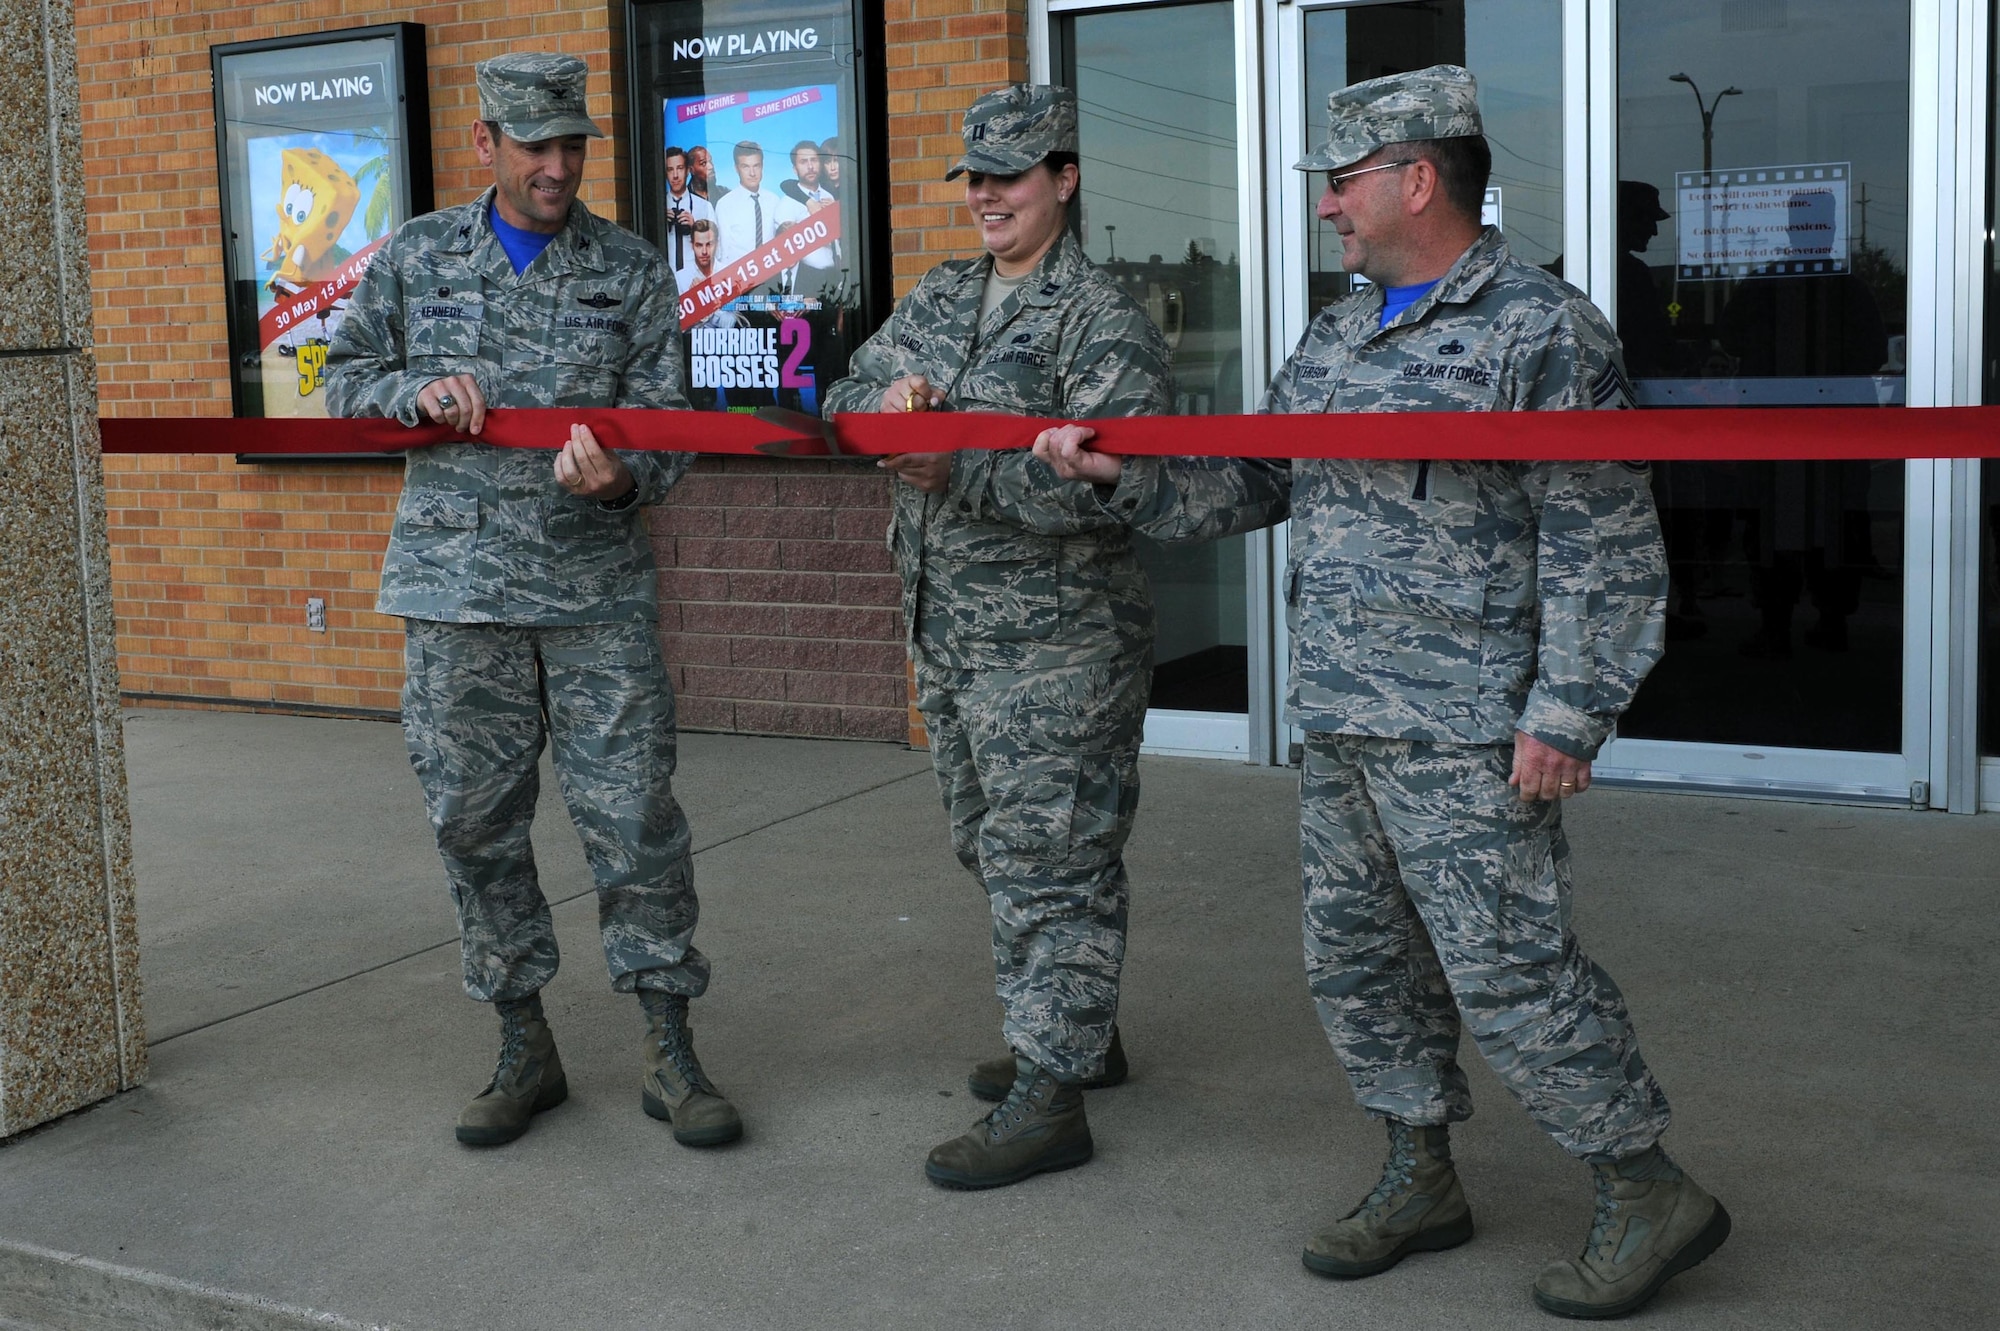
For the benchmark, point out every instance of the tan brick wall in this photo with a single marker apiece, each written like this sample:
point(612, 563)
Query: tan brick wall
point(941, 55)
point(213, 562)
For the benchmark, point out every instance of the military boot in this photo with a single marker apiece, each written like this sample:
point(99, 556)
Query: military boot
point(528, 1078)
point(1038, 1127)
point(992, 1079)
point(674, 1089)
point(1652, 1223)
point(1417, 1206)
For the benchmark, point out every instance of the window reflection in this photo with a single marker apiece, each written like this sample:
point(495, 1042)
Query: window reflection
point(1513, 47)
point(1762, 236)
point(1157, 133)
point(1989, 470)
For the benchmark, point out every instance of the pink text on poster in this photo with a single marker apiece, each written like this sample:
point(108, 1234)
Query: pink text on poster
point(789, 102)
point(707, 105)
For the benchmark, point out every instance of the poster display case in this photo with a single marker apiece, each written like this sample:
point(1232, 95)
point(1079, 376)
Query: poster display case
point(758, 164)
point(323, 142)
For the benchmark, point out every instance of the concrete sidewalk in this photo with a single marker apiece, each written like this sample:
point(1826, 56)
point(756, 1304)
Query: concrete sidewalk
point(1815, 987)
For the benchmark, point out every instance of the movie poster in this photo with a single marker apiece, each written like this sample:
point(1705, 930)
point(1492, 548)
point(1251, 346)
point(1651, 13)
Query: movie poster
point(750, 152)
point(316, 174)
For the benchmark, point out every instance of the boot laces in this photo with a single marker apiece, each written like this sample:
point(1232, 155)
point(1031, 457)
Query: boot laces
point(1604, 1219)
point(1398, 1171)
point(677, 1043)
point(513, 1048)
point(1007, 1115)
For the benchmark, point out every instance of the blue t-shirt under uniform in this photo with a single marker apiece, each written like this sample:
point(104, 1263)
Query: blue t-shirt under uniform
point(1394, 299)
point(521, 246)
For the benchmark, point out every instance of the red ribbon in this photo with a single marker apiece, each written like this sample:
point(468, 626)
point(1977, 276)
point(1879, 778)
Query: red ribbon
point(1657, 435)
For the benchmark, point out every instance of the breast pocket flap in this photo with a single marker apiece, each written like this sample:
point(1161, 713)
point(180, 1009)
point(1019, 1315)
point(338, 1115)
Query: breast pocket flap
point(438, 508)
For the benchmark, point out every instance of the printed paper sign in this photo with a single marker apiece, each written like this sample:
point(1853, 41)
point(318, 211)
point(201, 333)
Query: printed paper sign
point(1766, 221)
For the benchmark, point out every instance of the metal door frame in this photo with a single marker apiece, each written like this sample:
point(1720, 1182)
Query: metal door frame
point(1252, 735)
point(1939, 765)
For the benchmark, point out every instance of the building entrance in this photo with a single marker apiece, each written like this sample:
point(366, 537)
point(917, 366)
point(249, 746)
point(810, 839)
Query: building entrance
point(1757, 193)
point(1161, 215)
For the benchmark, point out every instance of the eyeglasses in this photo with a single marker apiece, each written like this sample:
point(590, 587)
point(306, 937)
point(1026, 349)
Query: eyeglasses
point(1338, 183)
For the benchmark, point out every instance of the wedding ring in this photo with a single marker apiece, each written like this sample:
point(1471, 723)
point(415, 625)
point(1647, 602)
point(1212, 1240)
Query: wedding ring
point(446, 402)
point(910, 400)
point(1565, 783)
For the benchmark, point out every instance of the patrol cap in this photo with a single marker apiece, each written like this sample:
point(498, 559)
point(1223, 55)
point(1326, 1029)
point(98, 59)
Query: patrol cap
point(1441, 102)
point(535, 95)
point(1010, 130)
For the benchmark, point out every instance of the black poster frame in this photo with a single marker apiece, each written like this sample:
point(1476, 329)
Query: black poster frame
point(409, 116)
point(651, 82)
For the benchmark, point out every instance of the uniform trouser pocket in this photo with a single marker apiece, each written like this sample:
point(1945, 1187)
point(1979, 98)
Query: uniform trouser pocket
point(1040, 772)
point(472, 719)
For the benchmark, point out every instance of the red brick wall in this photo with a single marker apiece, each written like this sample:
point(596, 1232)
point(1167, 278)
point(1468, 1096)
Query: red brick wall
point(779, 611)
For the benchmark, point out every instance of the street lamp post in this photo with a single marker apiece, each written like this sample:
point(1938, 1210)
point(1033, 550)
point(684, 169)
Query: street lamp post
point(1707, 168)
point(1111, 235)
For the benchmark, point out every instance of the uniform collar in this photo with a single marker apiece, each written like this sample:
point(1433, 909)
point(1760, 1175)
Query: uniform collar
point(578, 247)
point(1053, 274)
point(1461, 283)
point(1474, 269)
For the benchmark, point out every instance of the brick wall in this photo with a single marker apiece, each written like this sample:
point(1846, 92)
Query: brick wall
point(779, 611)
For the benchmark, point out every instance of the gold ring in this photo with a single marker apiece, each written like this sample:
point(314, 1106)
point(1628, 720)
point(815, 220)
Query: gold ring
point(910, 399)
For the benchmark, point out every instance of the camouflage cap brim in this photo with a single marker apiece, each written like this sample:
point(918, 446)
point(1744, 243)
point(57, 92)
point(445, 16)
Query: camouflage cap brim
point(1325, 160)
point(555, 127)
point(993, 160)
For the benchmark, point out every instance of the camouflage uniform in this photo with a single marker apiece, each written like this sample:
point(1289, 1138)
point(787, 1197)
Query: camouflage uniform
point(523, 601)
point(1031, 623)
point(1436, 608)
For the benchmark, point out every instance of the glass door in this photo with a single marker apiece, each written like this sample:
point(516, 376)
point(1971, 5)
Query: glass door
point(1514, 48)
point(1161, 213)
point(1762, 229)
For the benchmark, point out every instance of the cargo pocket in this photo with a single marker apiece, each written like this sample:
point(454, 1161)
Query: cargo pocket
point(1419, 633)
point(1009, 576)
point(1068, 812)
point(418, 710)
point(436, 530)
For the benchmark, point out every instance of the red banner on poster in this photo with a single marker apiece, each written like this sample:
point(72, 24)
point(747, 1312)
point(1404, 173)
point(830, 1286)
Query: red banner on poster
point(319, 298)
point(735, 280)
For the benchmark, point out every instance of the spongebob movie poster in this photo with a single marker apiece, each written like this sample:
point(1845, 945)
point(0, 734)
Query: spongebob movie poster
point(320, 205)
point(315, 138)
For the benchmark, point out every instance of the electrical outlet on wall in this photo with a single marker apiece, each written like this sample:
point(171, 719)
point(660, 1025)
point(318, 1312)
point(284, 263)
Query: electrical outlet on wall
point(316, 613)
